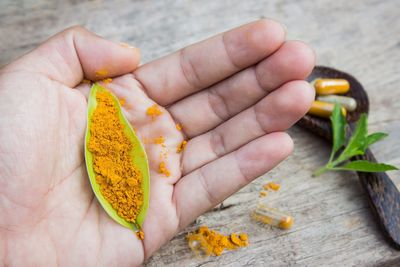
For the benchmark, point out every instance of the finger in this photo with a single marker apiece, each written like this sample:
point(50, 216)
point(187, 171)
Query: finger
point(276, 112)
point(203, 64)
point(75, 54)
point(293, 61)
point(207, 186)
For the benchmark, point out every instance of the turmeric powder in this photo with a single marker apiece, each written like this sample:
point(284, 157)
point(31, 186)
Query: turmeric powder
point(159, 140)
point(210, 242)
point(120, 181)
point(154, 111)
point(272, 186)
point(179, 127)
point(140, 234)
point(163, 169)
point(101, 73)
point(122, 101)
point(181, 146)
point(107, 80)
point(263, 194)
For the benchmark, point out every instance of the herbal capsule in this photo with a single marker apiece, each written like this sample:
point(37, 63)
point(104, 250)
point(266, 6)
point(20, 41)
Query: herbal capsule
point(323, 109)
point(348, 103)
point(272, 217)
point(331, 86)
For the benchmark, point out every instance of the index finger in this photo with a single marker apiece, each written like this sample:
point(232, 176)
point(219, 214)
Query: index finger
point(200, 65)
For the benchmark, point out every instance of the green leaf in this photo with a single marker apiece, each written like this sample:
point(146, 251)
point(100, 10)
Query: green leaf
point(375, 137)
point(338, 128)
point(138, 156)
point(366, 166)
point(357, 143)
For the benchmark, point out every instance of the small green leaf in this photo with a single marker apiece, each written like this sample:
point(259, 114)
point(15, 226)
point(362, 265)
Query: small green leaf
point(357, 143)
point(338, 128)
point(139, 159)
point(375, 137)
point(366, 166)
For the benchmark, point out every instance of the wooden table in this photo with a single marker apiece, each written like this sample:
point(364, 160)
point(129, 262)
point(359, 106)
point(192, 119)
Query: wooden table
point(333, 223)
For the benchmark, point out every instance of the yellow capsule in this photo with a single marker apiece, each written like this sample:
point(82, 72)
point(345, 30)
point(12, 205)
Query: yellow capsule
point(286, 222)
point(323, 109)
point(272, 217)
point(349, 103)
point(331, 86)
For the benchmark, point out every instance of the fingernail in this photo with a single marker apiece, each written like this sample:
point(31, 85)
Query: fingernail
point(284, 27)
point(137, 49)
point(127, 45)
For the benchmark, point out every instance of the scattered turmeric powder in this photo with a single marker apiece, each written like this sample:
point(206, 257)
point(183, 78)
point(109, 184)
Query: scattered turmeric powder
point(159, 140)
point(122, 101)
point(209, 242)
point(179, 127)
point(154, 111)
point(118, 178)
point(140, 234)
point(263, 194)
point(164, 152)
point(235, 239)
point(86, 81)
point(243, 237)
point(163, 169)
point(107, 80)
point(101, 73)
point(181, 146)
point(272, 186)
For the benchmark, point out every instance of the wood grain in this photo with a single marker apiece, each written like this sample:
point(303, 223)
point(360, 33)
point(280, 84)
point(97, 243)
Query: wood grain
point(333, 222)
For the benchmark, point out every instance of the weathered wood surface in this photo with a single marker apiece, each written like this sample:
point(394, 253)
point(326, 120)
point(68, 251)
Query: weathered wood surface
point(333, 224)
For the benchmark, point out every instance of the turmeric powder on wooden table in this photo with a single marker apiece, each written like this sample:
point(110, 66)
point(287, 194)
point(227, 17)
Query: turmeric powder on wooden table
point(119, 180)
point(210, 242)
point(272, 186)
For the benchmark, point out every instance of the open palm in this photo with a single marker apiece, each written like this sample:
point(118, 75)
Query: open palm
point(234, 94)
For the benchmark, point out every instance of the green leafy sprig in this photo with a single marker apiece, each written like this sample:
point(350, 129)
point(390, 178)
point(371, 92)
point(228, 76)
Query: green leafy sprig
point(357, 145)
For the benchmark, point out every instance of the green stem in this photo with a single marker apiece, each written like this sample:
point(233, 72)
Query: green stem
point(331, 156)
point(321, 171)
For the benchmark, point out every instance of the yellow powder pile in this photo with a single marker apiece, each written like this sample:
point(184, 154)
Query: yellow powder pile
point(119, 180)
point(209, 242)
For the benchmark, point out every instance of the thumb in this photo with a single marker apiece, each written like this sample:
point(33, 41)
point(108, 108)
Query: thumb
point(75, 54)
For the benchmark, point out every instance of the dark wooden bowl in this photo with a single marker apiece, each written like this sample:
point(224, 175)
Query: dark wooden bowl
point(383, 195)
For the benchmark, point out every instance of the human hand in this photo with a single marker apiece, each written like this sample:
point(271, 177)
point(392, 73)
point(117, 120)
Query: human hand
point(234, 94)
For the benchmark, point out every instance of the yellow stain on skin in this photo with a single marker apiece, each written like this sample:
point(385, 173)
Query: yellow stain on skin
point(107, 80)
point(154, 111)
point(101, 73)
point(163, 169)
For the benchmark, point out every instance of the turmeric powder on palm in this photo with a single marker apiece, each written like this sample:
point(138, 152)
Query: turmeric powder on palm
point(118, 178)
